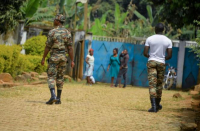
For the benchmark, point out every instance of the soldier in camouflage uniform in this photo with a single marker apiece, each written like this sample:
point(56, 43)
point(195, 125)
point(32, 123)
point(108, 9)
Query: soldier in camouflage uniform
point(58, 44)
point(157, 45)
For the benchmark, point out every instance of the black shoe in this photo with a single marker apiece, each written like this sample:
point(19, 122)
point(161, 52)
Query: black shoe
point(158, 105)
point(58, 101)
point(51, 100)
point(153, 105)
point(59, 92)
point(53, 97)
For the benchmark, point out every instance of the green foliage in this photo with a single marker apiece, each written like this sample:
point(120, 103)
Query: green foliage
point(121, 26)
point(8, 58)
point(2, 64)
point(11, 61)
point(196, 49)
point(140, 16)
point(119, 19)
point(139, 29)
point(35, 45)
point(150, 14)
point(179, 13)
point(100, 27)
point(100, 7)
point(36, 12)
point(14, 60)
point(30, 63)
point(70, 11)
point(10, 55)
point(30, 7)
point(151, 19)
point(10, 14)
point(61, 5)
point(105, 28)
point(43, 16)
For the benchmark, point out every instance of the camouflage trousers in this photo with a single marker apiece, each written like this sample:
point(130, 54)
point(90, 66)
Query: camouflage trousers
point(156, 72)
point(56, 70)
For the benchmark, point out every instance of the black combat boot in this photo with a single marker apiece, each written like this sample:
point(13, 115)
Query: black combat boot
point(58, 97)
point(53, 97)
point(158, 105)
point(153, 105)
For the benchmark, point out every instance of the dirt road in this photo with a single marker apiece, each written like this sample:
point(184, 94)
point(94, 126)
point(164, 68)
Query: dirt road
point(90, 108)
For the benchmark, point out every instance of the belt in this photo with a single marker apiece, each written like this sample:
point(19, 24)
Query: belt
point(58, 51)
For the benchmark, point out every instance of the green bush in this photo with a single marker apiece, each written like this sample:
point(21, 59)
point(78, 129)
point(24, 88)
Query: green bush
point(14, 61)
point(9, 58)
point(31, 63)
point(35, 45)
point(196, 49)
point(6, 54)
point(2, 61)
point(11, 61)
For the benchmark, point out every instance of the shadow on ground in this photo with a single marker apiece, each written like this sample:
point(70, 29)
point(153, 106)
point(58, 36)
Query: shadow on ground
point(36, 102)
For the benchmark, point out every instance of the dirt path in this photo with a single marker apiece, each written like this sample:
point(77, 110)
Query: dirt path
point(90, 108)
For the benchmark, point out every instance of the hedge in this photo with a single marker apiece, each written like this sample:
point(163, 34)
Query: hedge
point(35, 45)
point(11, 61)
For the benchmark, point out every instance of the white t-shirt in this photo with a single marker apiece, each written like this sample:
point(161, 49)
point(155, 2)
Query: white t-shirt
point(91, 59)
point(158, 45)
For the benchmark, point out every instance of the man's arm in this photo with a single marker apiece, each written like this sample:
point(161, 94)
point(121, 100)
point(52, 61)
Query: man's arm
point(68, 47)
point(49, 44)
point(126, 61)
point(169, 54)
point(46, 51)
point(71, 54)
point(146, 51)
point(122, 54)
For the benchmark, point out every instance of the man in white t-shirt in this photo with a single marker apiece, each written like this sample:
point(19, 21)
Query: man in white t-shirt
point(156, 47)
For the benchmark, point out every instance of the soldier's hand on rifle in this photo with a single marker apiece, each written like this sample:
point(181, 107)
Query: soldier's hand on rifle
point(72, 64)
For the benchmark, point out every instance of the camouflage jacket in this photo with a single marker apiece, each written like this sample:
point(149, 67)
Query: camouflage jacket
point(58, 39)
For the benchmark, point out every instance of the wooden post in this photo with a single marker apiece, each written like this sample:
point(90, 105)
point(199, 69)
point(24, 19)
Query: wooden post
point(85, 16)
point(198, 78)
point(75, 17)
point(83, 42)
point(74, 33)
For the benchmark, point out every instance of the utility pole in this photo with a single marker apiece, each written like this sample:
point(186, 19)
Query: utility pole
point(83, 42)
point(81, 63)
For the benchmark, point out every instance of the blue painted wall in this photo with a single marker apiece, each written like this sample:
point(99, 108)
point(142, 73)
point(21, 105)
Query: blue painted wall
point(137, 71)
point(190, 70)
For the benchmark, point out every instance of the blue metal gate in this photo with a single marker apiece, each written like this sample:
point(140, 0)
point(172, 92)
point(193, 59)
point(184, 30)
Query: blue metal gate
point(190, 70)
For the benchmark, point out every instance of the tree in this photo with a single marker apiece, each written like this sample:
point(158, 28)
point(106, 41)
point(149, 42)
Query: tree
point(10, 14)
point(178, 13)
point(196, 49)
point(28, 9)
point(105, 28)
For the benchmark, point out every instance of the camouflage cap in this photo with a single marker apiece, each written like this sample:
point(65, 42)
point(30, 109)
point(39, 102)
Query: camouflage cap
point(60, 17)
